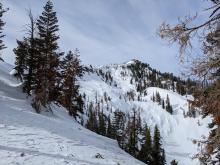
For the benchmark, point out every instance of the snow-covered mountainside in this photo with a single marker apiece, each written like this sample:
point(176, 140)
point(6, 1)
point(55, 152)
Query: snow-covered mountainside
point(119, 87)
point(29, 138)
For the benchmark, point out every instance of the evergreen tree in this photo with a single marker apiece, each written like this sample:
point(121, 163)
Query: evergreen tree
point(102, 124)
point(92, 123)
point(173, 85)
point(118, 123)
point(47, 72)
point(157, 152)
point(153, 98)
point(2, 23)
point(111, 132)
point(71, 70)
point(180, 88)
point(168, 106)
point(20, 58)
point(132, 145)
point(158, 98)
point(145, 153)
point(139, 123)
point(163, 104)
point(32, 58)
point(27, 57)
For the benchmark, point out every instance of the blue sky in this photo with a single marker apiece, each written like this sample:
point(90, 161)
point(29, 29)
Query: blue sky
point(107, 31)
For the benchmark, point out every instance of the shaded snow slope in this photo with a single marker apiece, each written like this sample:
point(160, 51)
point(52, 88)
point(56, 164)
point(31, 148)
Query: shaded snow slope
point(29, 138)
point(177, 131)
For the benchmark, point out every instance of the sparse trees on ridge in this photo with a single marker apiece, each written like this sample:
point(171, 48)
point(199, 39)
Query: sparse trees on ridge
point(128, 131)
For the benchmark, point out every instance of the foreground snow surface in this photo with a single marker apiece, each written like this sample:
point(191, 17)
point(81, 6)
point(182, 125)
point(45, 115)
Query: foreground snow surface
point(29, 138)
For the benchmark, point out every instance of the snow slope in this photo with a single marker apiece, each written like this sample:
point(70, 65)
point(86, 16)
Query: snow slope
point(177, 131)
point(29, 138)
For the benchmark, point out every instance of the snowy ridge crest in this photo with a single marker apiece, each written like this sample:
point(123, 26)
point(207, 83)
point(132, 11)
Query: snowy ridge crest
point(132, 85)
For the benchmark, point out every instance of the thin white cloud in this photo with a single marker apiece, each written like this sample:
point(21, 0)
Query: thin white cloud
point(110, 31)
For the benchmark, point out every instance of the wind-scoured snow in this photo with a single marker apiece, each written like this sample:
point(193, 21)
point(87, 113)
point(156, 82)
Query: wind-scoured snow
point(178, 132)
point(56, 139)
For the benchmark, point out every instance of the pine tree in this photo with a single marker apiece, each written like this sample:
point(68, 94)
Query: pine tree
point(158, 98)
point(139, 123)
point(145, 153)
point(111, 132)
point(32, 59)
point(48, 69)
point(26, 57)
point(153, 98)
point(92, 123)
point(2, 23)
point(163, 104)
point(168, 106)
point(173, 85)
point(118, 123)
point(102, 124)
point(132, 146)
point(71, 70)
point(20, 58)
point(157, 152)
